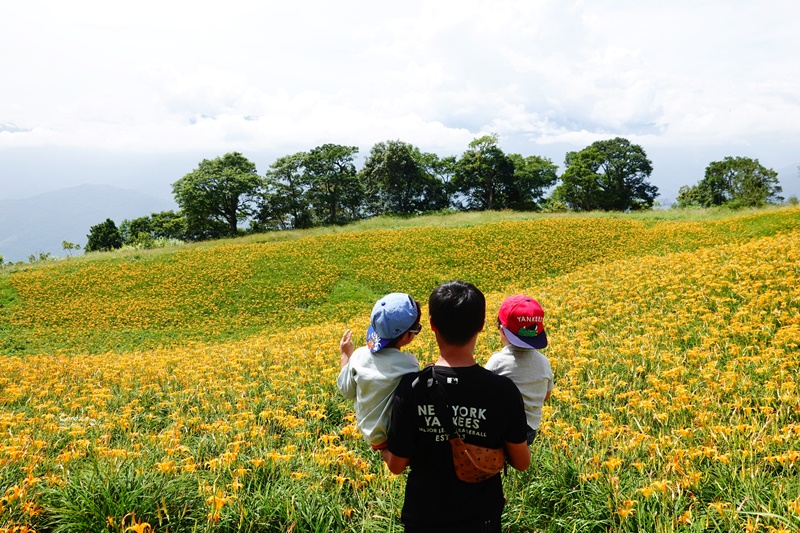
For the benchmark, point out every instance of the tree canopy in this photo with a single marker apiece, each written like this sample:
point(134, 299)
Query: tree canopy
point(323, 187)
point(398, 178)
point(144, 231)
point(484, 175)
point(610, 175)
point(217, 195)
point(735, 182)
point(533, 176)
point(487, 178)
point(103, 237)
point(284, 205)
point(334, 192)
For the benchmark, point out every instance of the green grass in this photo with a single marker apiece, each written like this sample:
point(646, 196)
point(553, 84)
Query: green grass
point(231, 289)
point(673, 341)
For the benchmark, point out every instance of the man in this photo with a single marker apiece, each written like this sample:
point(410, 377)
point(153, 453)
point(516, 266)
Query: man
point(487, 410)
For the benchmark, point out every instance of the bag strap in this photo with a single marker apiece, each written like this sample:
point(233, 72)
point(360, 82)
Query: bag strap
point(436, 390)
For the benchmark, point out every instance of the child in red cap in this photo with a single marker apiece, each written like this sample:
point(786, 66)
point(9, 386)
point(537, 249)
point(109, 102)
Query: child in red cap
point(521, 323)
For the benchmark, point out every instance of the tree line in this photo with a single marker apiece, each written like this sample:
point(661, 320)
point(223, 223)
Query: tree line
point(226, 197)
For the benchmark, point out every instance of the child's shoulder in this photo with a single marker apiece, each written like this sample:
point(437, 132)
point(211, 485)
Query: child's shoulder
point(393, 354)
point(406, 355)
point(515, 352)
point(509, 350)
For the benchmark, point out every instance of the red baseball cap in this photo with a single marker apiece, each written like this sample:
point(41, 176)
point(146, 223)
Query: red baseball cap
point(522, 319)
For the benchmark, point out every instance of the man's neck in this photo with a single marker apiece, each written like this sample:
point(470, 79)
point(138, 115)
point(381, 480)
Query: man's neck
point(456, 356)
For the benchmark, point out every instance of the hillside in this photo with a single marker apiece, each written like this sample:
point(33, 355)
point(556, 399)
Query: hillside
point(233, 289)
point(195, 388)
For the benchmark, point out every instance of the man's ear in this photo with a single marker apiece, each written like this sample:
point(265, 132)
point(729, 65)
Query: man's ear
point(433, 326)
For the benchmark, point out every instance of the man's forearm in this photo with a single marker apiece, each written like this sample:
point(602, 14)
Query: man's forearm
point(395, 463)
point(518, 455)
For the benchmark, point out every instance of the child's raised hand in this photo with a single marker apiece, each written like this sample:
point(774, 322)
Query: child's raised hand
point(346, 346)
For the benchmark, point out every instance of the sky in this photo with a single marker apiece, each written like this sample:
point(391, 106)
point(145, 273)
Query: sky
point(136, 94)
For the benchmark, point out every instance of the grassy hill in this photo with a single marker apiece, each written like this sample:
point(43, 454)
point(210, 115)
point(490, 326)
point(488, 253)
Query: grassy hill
point(235, 288)
point(193, 389)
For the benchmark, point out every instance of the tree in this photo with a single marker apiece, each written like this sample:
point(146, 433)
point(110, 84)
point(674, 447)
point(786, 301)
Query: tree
point(734, 182)
point(168, 225)
point(284, 204)
point(533, 175)
point(608, 175)
point(217, 195)
point(334, 193)
point(484, 175)
point(136, 230)
point(688, 196)
point(69, 247)
point(398, 178)
point(439, 187)
point(103, 237)
point(40, 256)
point(144, 231)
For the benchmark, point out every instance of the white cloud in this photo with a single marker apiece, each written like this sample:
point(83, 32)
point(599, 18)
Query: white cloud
point(178, 76)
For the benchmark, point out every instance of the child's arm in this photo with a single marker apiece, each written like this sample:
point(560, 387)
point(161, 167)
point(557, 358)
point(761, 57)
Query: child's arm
point(550, 386)
point(346, 347)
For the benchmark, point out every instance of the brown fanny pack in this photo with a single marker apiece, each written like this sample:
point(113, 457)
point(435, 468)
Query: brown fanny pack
point(472, 463)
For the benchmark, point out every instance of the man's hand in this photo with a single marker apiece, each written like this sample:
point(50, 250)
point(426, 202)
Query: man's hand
point(346, 346)
point(518, 455)
point(396, 464)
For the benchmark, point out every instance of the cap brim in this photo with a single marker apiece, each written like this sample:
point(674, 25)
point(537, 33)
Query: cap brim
point(538, 342)
point(374, 342)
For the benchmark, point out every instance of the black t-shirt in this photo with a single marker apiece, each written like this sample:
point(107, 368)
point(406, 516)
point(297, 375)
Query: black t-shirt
point(487, 410)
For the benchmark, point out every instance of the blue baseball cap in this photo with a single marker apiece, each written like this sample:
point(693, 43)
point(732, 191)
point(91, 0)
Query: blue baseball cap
point(392, 315)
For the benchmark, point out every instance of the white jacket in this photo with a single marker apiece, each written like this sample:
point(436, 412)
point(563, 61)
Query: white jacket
point(370, 379)
point(530, 371)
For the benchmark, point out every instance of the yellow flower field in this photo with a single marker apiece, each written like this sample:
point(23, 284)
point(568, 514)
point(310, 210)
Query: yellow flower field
point(220, 292)
point(676, 407)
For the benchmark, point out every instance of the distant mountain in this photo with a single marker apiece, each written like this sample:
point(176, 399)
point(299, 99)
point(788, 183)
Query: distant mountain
point(790, 180)
point(40, 223)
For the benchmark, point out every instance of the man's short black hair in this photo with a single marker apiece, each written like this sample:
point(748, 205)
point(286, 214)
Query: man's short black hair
point(458, 311)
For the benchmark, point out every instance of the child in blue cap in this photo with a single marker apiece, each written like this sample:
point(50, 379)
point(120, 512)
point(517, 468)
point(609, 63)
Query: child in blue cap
point(370, 373)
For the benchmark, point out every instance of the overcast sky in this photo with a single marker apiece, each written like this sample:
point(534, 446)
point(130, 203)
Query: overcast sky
point(135, 94)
